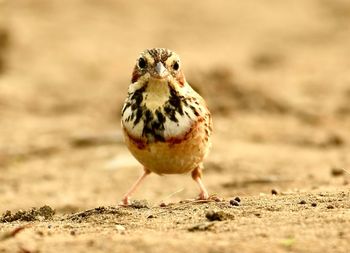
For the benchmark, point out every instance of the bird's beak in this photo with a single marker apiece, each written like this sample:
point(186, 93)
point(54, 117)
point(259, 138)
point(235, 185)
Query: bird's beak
point(160, 70)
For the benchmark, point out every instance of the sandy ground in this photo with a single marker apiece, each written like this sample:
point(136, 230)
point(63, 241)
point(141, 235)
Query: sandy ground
point(276, 78)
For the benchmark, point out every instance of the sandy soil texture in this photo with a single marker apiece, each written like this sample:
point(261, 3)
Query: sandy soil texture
point(276, 77)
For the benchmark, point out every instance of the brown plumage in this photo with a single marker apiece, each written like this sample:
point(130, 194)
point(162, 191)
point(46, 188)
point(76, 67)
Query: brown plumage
point(166, 124)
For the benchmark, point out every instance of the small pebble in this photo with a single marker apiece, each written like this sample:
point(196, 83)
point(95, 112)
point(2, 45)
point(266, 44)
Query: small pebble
point(302, 202)
point(314, 204)
point(336, 172)
point(120, 229)
point(237, 199)
point(41, 233)
point(218, 215)
point(274, 192)
point(330, 207)
point(150, 216)
point(138, 204)
point(234, 202)
point(216, 199)
point(72, 232)
point(162, 204)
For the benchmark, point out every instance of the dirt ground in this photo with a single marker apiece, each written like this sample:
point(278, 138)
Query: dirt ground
point(276, 77)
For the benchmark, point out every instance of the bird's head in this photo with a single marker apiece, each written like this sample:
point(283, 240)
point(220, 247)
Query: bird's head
point(158, 64)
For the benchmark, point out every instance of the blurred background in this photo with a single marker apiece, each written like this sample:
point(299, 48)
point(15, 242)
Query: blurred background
point(274, 73)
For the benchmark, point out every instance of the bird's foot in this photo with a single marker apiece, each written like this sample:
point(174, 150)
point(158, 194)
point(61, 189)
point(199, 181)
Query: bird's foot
point(125, 201)
point(203, 195)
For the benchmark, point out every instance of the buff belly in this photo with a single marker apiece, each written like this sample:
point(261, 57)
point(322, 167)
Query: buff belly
point(171, 157)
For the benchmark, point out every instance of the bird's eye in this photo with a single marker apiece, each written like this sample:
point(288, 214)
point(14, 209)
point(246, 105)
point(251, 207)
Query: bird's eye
point(176, 65)
point(142, 63)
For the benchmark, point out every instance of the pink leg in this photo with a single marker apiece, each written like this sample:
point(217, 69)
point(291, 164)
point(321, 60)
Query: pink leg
point(126, 198)
point(197, 175)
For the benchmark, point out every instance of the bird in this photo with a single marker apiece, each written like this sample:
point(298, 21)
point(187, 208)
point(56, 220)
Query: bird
point(166, 124)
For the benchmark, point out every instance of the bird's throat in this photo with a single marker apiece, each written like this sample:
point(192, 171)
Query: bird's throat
point(156, 93)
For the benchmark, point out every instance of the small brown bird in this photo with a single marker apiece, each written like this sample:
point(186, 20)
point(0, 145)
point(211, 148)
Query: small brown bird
point(166, 124)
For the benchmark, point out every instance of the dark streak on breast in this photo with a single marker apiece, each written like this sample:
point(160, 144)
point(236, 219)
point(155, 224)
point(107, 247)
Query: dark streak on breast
point(174, 104)
point(134, 101)
point(194, 110)
point(175, 100)
point(153, 128)
point(139, 113)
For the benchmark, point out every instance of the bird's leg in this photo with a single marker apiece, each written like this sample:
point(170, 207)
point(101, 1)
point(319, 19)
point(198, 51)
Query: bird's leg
point(126, 198)
point(197, 175)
